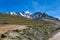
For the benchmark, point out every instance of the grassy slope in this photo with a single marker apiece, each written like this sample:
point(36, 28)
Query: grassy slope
point(21, 20)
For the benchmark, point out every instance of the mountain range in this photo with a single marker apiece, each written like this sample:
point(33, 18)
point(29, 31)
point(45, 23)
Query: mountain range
point(36, 16)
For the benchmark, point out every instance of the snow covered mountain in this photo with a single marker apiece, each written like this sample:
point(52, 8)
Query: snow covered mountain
point(43, 16)
point(26, 14)
point(36, 15)
point(12, 13)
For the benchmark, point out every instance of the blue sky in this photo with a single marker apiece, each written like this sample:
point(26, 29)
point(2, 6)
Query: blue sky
point(51, 7)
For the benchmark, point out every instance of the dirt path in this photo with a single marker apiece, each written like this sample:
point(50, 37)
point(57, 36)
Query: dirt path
point(5, 28)
point(56, 37)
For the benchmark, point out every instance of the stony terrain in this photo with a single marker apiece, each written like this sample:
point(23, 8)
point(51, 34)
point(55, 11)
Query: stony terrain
point(31, 33)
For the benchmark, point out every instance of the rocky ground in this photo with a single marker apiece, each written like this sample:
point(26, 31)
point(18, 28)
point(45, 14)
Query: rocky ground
point(30, 33)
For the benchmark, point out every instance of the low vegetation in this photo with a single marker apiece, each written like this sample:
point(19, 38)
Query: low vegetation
point(8, 19)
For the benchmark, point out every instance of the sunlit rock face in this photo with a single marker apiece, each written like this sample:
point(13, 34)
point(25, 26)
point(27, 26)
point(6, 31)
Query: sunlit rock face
point(56, 37)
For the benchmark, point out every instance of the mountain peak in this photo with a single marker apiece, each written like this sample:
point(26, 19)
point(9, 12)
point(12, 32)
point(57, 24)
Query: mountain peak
point(27, 12)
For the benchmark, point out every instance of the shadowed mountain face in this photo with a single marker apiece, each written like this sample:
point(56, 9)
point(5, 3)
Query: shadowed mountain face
point(43, 16)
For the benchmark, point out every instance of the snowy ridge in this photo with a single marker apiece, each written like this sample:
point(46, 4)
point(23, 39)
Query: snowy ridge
point(12, 13)
point(25, 14)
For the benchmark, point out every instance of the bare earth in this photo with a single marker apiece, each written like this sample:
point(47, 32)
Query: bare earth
point(56, 37)
point(5, 28)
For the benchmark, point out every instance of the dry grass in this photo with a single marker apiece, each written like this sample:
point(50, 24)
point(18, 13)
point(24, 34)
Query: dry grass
point(6, 28)
point(21, 20)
